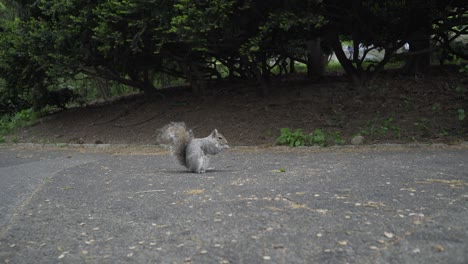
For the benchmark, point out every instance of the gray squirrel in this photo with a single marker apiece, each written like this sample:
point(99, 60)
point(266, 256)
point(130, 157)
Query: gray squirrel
point(189, 151)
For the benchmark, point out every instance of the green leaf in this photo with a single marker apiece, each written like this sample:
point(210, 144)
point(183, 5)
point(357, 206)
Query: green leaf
point(461, 114)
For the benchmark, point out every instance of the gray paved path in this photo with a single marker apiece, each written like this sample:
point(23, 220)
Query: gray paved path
point(346, 205)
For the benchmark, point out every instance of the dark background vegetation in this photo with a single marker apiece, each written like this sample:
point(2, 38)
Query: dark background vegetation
point(238, 64)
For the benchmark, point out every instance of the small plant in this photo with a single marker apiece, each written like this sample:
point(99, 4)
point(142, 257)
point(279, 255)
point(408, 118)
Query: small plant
point(4, 125)
point(293, 139)
point(338, 139)
point(436, 108)
point(20, 119)
point(461, 114)
point(424, 125)
point(463, 69)
point(443, 132)
point(2, 140)
point(460, 91)
point(381, 128)
point(388, 125)
point(319, 137)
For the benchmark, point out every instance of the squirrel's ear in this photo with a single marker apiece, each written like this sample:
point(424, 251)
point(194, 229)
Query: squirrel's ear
point(214, 133)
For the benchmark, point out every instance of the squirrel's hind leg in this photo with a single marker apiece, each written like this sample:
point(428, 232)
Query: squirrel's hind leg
point(206, 162)
point(200, 166)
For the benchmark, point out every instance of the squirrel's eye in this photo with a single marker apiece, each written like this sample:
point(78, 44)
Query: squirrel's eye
point(220, 137)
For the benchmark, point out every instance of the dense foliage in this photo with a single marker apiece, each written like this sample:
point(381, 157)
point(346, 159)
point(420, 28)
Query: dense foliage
point(46, 43)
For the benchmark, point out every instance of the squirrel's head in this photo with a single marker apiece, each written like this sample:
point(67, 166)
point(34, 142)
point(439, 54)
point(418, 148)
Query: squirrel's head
point(219, 138)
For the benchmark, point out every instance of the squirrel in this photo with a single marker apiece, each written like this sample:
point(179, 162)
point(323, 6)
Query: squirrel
point(189, 151)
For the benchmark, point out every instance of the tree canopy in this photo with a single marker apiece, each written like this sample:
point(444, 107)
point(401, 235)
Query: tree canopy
point(134, 42)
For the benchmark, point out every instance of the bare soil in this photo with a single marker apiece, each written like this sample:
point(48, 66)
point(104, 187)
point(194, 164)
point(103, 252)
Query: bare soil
point(395, 109)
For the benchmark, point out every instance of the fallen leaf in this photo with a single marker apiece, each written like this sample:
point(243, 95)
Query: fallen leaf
point(63, 255)
point(451, 183)
point(343, 243)
point(194, 192)
point(299, 206)
point(374, 204)
point(408, 189)
point(340, 197)
point(321, 211)
point(388, 234)
point(438, 248)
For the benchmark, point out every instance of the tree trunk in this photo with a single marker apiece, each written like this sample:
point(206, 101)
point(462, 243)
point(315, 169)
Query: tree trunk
point(195, 77)
point(419, 42)
point(197, 82)
point(39, 96)
point(315, 65)
point(263, 78)
point(263, 84)
point(103, 87)
point(420, 45)
point(292, 68)
point(355, 76)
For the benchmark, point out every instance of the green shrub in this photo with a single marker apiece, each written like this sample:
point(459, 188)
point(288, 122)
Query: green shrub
point(319, 137)
point(20, 119)
point(293, 139)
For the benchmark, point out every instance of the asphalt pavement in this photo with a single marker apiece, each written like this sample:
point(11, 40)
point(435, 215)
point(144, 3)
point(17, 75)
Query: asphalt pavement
point(384, 204)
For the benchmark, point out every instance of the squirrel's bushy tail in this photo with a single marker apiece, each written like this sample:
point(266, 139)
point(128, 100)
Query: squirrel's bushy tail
point(177, 136)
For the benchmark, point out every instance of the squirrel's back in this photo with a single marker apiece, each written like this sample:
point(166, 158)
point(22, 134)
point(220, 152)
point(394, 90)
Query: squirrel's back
point(176, 135)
